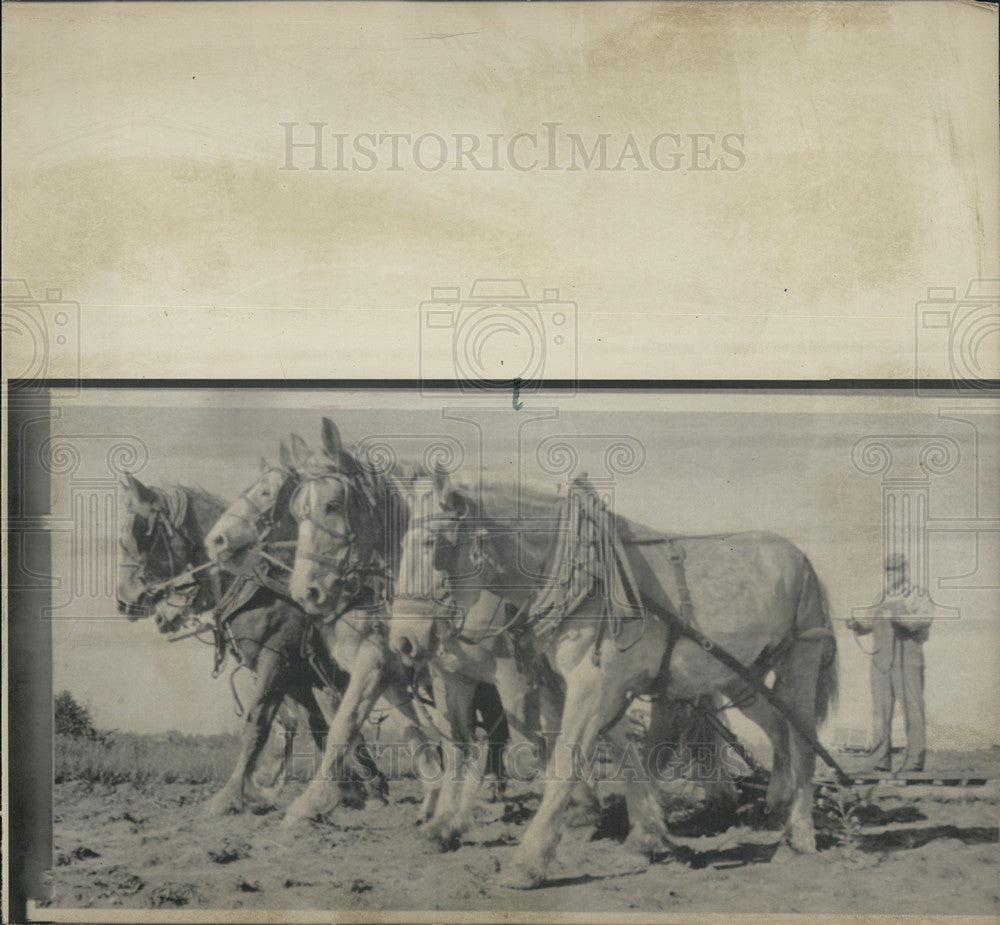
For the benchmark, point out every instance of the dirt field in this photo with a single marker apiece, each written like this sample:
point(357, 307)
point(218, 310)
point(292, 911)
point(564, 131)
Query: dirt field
point(905, 849)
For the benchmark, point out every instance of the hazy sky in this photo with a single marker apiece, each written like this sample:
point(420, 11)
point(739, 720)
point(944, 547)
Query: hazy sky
point(763, 463)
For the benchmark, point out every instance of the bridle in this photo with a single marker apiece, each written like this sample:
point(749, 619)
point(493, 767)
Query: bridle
point(179, 586)
point(354, 572)
point(444, 609)
point(263, 521)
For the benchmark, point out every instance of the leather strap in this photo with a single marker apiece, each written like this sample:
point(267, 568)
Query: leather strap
point(676, 558)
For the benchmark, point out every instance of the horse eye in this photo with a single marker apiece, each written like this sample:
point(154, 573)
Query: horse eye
point(331, 507)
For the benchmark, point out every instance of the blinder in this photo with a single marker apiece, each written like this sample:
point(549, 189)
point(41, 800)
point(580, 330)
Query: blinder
point(353, 572)
point(158, 578)
point(265, 519)
point(447, 529)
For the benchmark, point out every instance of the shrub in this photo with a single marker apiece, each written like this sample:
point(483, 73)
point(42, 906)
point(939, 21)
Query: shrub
point(73, 719)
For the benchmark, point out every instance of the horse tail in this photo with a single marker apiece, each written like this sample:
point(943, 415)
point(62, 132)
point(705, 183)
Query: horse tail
point(814, 614)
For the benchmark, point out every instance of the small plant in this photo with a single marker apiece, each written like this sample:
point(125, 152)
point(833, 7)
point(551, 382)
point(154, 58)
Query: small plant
point(843, 809)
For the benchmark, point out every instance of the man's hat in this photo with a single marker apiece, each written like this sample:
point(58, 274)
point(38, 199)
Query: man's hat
point(895, 561)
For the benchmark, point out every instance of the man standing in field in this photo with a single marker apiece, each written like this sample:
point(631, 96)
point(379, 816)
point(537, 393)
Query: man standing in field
point(899, 625)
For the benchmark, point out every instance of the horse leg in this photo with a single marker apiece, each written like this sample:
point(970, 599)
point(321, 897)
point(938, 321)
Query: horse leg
point(373, 778)
point(637, 765)
point(425, 752)
point(584, 808)
point(322, 794)
point(319, 725)
point(780, 782)
point(428, 766)
point(462, 766)
point(491, 711)
point(264, 793)
point(592, 703)
point(366, 771)
point(267, 698)
point(796, 685)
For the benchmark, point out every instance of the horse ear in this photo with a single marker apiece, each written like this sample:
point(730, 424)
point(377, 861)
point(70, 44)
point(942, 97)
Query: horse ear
point(442, 480)
point(137, 490)
point(333, 445)
point(459, 505)
point(285, 454)
point(300, 449)
point(264, 465)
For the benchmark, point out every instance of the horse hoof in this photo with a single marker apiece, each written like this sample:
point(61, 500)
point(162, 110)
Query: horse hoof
point(297, 815)
point(492, 790)
point(582, 815)
point(802, 844)
point(522, 876)
point(353, 796)
point(645, 843)
point(223, 804)
point(292, 822)
point(442, 833)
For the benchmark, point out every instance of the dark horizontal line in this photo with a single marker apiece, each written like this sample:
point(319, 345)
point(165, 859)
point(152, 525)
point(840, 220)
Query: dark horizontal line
point(989, 388)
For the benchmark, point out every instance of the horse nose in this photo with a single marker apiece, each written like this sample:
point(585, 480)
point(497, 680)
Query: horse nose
point(315, 595)
point(405, 647)
point(218, 544)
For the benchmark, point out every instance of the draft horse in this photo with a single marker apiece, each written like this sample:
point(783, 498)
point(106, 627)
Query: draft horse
point(753, 594)
point(350, 523)
point(167, 574)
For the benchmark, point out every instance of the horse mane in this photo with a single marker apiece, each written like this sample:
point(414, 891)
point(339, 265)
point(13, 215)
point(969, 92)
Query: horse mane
point(203, 508)
point(508, 498)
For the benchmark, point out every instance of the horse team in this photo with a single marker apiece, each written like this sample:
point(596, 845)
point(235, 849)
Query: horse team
point(368, 582)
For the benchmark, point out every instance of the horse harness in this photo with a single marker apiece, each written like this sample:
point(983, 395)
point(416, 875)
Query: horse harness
point(253, 579)
point(168, 515)
point(359, 575)
point(546, 611)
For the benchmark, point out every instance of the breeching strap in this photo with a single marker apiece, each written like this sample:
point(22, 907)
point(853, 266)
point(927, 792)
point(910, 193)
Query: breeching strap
point(685, 627)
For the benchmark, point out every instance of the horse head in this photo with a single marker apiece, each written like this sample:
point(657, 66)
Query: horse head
point(260, 515)
point(446, 567)
point(160, 542)
point(341, 507)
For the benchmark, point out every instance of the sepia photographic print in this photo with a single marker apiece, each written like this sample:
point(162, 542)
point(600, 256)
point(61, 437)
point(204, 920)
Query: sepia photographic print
point(501, 463)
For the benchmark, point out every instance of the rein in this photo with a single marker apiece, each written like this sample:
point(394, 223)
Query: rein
point(182, 575)
point(262, 523)
point(682, 624)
